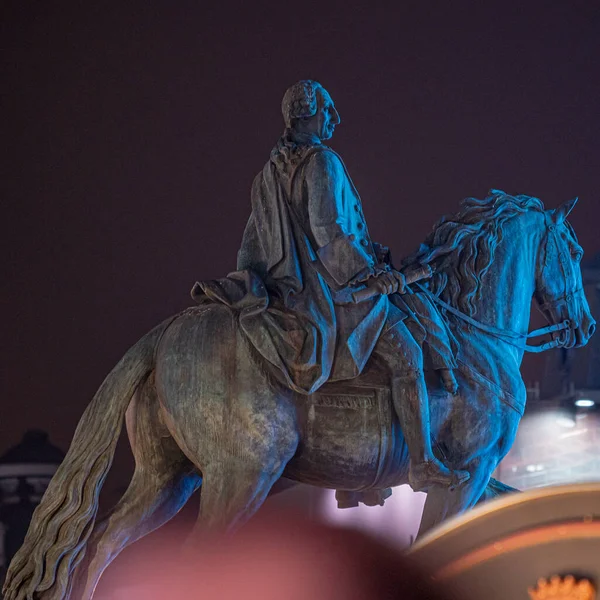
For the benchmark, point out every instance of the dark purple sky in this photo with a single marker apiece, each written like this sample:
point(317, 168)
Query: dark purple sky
point(132, 132)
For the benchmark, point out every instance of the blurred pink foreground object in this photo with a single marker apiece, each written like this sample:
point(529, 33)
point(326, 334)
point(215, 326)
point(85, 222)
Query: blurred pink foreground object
point(279, 558)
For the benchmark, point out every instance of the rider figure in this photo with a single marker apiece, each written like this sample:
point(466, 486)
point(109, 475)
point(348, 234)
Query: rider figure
point(308, 245)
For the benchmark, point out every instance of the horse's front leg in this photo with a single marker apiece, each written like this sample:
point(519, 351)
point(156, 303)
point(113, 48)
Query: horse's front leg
point(443, 503)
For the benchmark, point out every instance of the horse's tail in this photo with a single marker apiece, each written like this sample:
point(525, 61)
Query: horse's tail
point(61, 524)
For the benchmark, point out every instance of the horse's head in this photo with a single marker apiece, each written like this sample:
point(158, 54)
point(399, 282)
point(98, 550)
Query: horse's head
point(559, 285)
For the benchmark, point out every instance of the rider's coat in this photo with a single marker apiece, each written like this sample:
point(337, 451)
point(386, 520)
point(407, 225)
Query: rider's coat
point(305, 248)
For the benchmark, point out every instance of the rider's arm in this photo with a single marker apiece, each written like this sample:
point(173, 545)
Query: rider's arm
point(337, 247)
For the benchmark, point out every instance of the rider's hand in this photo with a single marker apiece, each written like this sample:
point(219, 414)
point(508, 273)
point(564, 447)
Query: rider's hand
point(386, 283)
point(401, 281)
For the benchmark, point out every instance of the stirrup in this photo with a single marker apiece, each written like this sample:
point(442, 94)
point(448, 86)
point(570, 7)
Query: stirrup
point(451, 479)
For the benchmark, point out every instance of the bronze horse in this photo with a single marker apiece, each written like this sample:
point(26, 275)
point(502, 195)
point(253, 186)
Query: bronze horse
point(202, 411)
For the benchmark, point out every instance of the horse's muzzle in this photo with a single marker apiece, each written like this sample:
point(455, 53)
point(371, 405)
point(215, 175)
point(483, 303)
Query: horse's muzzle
point(585, 331)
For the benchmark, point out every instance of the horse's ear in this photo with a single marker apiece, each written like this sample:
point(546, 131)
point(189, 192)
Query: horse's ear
point(562, 212)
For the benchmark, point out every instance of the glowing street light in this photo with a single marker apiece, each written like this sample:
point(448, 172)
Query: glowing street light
point(584, 403)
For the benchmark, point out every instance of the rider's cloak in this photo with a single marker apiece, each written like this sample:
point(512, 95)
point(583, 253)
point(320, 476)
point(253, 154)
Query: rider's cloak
point(305, 249)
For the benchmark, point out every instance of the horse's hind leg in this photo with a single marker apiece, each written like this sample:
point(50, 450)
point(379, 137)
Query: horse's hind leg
point(239, 472)
point(230, 498)
point(162, 483)
point(236, 483)
point(230, 420)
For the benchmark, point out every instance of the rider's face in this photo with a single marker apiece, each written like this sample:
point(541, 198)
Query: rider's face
point(327, 116)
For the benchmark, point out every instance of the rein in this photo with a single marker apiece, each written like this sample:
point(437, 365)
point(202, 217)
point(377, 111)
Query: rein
point(518, 340)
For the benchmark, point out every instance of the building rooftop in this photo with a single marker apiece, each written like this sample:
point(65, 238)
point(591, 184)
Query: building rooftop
point(35, 447)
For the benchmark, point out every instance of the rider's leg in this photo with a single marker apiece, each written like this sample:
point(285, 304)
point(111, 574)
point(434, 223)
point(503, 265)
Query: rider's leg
point(438, 345)
point(404, 359)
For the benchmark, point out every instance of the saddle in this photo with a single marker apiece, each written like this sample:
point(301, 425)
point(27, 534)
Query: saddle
point(367, 410)
point(349, 393)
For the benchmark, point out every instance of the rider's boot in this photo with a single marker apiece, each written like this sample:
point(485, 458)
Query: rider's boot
point(411, 402)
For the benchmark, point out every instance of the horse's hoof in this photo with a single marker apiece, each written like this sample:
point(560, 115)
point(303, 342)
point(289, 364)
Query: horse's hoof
point(461, 478)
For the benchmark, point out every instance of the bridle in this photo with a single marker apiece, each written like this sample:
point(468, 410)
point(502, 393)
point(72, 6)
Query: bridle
point(567, 297)
point(519, 340)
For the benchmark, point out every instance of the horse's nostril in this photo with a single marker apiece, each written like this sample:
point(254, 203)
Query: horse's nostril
point(592, 329)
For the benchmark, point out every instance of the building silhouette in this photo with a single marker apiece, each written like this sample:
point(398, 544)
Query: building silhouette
point(25, 471)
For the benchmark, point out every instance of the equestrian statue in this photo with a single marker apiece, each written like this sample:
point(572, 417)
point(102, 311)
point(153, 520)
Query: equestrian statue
point(319, 361)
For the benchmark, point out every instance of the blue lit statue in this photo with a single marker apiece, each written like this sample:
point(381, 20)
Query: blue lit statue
point(308, 242)
point(320, 362)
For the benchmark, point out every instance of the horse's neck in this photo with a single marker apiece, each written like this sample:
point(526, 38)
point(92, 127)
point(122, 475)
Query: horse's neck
point(508, 286)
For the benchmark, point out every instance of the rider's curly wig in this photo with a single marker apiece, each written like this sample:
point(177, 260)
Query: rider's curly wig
point(300, 101)
point(461, 246)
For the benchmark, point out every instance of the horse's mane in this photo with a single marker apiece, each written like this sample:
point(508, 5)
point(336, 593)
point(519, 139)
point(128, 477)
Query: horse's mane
point(461, 246)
